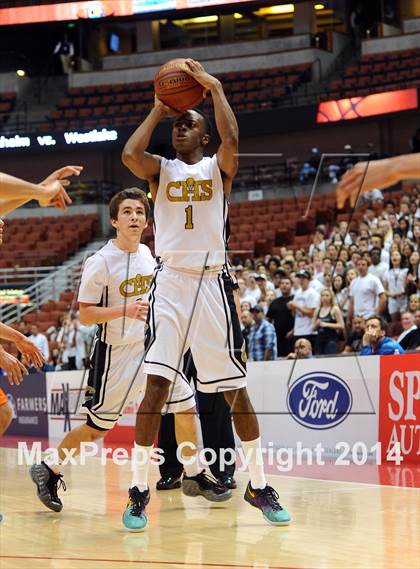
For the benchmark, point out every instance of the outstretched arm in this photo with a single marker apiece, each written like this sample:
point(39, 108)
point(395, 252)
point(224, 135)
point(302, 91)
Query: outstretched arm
point(14, 192)
point(376, 174)
point(226, 123)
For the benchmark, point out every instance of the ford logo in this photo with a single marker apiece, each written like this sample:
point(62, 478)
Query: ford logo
point(319, 400)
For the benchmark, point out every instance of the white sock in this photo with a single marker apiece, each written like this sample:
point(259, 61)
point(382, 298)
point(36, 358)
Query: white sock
point(53, 461)
point(194, 468)
point(253, 456)
point(140, 466)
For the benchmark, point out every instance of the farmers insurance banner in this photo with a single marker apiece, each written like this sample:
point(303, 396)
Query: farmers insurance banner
point(29, 405)
point(399, 417)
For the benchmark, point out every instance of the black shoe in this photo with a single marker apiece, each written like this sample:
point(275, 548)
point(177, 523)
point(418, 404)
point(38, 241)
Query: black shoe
point(169, 482)
point(227, 481)
point(47, 483)
point(203, 485)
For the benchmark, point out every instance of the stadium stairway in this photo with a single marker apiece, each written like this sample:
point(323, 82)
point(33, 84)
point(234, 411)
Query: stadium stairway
point(51, 289)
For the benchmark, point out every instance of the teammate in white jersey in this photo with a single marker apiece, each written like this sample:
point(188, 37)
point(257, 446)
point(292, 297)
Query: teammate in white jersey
point(113, 292)
point(191, 300)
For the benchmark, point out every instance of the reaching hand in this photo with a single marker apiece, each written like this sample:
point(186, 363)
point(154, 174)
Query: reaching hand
point(54, 195)
point(62, 174)
point(196, 70)
point(375, 174)
point(12, 367)
point(31, 353)
point(57, 196)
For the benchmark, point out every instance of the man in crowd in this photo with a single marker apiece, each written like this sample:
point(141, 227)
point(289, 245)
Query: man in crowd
point(354, 339)
point(375, 341)
point(367, 294)
point(262, 337)
point(303, 305)
point(409, 339)
point(303, 350)
point(40, 342)
point(283, 318)
point(247, 321)
point(377, 267)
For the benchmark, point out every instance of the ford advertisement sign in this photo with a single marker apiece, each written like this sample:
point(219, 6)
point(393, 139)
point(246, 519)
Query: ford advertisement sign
point(319, 400)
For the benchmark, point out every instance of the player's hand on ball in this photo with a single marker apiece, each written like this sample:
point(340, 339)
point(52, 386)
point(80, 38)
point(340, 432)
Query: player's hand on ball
point(163, 109)
point(13, 368)
point(137, 310)
point(31, 353)
point(196, 70)
point(362, 178)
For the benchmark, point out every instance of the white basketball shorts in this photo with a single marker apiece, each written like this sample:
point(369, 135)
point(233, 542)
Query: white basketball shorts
point(116, 377)
point(197, 312)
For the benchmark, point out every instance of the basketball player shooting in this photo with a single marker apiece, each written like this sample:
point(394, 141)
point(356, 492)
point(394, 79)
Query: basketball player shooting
point(191, 301)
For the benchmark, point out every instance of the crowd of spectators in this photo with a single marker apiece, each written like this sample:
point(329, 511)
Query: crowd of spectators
point(319, 301)
point(307, 303)
point(65, 346)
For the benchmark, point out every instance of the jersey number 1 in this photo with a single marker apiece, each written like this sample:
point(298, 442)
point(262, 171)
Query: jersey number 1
point(189, 217)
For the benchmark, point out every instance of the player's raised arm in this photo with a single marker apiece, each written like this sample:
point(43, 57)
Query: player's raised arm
point(366, 176)
point(141, 163)
point(226, 123)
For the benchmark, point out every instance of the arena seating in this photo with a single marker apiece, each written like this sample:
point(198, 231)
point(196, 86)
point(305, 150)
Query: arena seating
point(46, 317)
point(44, 241)
point(376, 73)
point(124, 103)
point(7, 102)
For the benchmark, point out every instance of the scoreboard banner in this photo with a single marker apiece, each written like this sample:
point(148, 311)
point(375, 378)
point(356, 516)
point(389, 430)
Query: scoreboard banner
point(367, 106)
point(94, 9)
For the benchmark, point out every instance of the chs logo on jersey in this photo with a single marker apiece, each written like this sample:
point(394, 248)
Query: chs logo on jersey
point(189, 190)
point(136, 286)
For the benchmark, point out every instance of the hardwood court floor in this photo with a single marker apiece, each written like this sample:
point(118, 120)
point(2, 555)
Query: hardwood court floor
point(335, 525)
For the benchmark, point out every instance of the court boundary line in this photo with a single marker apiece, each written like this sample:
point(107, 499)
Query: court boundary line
point(143, 562)
point(371, 484)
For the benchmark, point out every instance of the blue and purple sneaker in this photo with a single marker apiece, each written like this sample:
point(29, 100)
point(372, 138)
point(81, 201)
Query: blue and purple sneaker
point(267, 500)
point(134, 517)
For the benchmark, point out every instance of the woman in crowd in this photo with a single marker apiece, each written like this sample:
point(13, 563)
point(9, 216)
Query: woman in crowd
point(341, 293)
point(413, 275)
point(414, 303)
point(328, 322)
point(394, 283)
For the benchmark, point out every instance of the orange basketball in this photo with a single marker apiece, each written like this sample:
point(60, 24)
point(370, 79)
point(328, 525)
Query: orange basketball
point(177, 89)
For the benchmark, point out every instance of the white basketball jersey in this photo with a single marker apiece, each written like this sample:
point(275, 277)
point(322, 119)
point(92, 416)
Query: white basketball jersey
point(112, 277)
point(190, 214)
